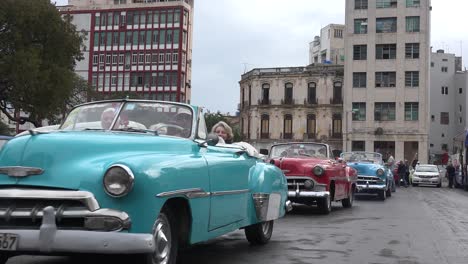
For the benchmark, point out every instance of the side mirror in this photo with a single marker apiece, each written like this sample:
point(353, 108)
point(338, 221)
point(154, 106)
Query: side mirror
point(212, 139)
point(264, 152)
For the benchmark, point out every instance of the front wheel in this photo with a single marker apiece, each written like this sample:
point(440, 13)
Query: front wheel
point(383, 195)
point(389, 192)
point(325, 205)
point(260, 233)
point(348, 202)
point(165, 239)
point(3, 258)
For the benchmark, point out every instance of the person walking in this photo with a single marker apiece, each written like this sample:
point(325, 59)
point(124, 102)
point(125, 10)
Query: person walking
point(401, 170)
point(407, 172)
point(450, 173)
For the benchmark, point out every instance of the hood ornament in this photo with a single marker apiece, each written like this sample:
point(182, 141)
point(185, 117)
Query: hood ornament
point(20, 172)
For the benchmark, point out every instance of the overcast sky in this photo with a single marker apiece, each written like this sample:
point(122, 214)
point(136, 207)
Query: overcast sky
point(231, 36)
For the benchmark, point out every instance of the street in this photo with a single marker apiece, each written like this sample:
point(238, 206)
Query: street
point(416, 225)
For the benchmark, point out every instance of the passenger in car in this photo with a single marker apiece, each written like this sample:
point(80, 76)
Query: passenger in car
point(224, 131)
point(107, 117)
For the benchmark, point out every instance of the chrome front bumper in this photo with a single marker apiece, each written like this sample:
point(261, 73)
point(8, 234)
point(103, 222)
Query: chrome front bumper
point(426, 180)
point(308, 194)
point(376, 187)
point(48, 239)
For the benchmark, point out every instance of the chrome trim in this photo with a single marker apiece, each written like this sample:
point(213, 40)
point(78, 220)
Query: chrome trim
point(87, 198)
point(288, 206)
point(267, 206)
point(20, 172)
point(132, 180)
point(229, 192)
point(371, 187)
point(189, 193)
point(306, 194)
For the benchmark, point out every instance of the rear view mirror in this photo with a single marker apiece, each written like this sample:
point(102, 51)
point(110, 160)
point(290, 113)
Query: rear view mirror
point(264, 152)
point(212, 139)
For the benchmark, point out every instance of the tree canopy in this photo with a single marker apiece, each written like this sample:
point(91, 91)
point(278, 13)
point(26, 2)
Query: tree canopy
point(38, 50)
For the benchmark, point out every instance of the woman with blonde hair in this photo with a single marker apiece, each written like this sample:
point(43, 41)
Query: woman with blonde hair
point(223, 130)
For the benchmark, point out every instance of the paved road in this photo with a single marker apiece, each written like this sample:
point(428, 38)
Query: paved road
point(416, 226)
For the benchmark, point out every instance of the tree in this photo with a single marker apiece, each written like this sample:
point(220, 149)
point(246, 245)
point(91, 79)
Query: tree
point(38, 50)
point(212, 118)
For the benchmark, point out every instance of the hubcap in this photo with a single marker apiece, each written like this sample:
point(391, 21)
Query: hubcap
point(162, 239)
point(266, 227)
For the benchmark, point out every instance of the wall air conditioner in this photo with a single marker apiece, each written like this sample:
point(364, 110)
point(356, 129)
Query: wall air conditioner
point(101, 67)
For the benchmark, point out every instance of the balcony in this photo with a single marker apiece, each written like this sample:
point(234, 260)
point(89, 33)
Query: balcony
point(337, 135)
point(264, 101)
point(308, 136)
point(287, 135)
point(287, 101)
point(264, 135)
point(336, 101)
point(311, 101)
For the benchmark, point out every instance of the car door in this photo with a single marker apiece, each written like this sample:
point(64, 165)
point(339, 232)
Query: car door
point(228, 170)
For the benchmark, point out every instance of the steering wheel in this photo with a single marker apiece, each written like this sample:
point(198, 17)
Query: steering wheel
point(164, 126)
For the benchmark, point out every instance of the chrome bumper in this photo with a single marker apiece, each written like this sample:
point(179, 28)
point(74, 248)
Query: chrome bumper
point(376, 187)
point(48, 239)
point(288, 206)
point(308, 194)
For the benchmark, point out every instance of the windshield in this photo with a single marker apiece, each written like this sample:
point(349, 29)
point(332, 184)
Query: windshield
point(157, 117)
point(362, 157)
point(426, 169)
point(300, 149)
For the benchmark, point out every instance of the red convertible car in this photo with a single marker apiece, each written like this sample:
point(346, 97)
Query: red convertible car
point(314, 176)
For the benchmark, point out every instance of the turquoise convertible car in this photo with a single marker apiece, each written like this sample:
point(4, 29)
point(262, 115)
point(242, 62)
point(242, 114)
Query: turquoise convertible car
point(132, 177)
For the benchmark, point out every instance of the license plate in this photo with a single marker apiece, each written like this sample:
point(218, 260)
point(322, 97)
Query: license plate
point(8, 242)
point(425, 180)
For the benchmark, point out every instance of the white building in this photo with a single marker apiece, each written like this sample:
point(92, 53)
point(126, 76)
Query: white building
point(329, 46)
point(448, 109)
point(386, 88)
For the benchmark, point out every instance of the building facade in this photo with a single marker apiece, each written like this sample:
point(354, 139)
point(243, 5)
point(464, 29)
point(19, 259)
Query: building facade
point(448, 103)
point(386, 87)
point(292, 104)
point(142, 46)
point(329, 46)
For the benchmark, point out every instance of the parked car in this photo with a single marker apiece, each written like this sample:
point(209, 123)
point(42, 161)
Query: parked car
point(314, 176)
point(373, 176)
point(3, 140)
point(427, 174)
point(133, 176)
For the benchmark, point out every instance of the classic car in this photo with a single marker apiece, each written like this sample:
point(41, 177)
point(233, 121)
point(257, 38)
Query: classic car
point(427, 174)
point(314, 177)
point(3, 140)
point(135, 177)
point(373, 176)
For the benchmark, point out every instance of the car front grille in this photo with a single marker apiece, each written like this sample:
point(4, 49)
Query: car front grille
point(368, 179)
point(294, 184)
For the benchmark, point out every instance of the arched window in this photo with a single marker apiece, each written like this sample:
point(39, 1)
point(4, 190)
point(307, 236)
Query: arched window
point(311, 126)
point(337, 93)
point(336, 126)
point(311, 93)
point(265, 126)
point(287, 127)
point(288, 93)
point(265, 94)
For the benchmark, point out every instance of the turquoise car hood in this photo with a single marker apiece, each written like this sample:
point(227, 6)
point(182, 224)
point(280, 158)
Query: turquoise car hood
point(74, 160)
point(366, 169)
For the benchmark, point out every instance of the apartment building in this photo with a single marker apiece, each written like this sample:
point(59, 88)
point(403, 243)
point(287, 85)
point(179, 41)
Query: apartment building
point(387, 78)
point(448, 103)
point(329, 46)
point(142, 46)
point(292, 104)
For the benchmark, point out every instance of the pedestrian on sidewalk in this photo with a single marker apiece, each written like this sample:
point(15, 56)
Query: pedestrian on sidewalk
point(450, 173)
point(407, 173)
point(402, 173)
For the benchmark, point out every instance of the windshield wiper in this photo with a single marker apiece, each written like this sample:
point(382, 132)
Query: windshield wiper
point(133, 129)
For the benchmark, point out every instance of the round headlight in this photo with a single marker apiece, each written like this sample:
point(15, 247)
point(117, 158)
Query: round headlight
point(118, 181)
point(380, 172)
point(318, 170)
point(309, 184)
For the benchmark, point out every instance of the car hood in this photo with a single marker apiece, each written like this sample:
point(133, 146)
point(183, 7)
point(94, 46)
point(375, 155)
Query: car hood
point(368, 169)
point(71, 160)
point(300, 166)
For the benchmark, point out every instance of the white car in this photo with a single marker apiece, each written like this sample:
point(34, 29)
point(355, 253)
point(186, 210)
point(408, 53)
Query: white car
point(427, 174)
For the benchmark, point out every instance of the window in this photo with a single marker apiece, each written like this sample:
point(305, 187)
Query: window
point(121, 59)
point(120, 2)
point(412, 50)
point(311, 126)
point(432, 64)
point(108, 59)
point(338, 33)
point(360, 26)
point(288, 93)
point(444, 118)
point(460, 90)
point(337, 93)
point(148, 58)
point(287, 127)
point(386, 25)
point(359, 112)
point(175, 58)
point(384, 112)
point(95, 59)
point(385, 79)
point(411, 111)
point(134, 58)
point(359, 79)
point(444, 90)
point(115, 59)
point(412, 3)
point(412, 79)
point(265, 127)
point(358, 146)
point(444, 69)
point(360, 52)
point(265, 94)
point(114, 78)
point(360, 4)
point(444, 59)
point(102, 58)
point(386, 3)
point(141, 58)
point(385, 51)
point(412, 24)
point(336, 126)
point(432, 118)
point(312, 93)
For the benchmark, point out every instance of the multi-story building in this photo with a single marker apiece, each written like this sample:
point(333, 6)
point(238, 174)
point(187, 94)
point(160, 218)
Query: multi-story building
point(329, 46)
point(448, 110)
point(141, 46)
point(386, 87)
point(292, 104)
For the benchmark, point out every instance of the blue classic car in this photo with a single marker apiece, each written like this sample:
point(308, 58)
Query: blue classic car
point(134, 177)
point(373, 176)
